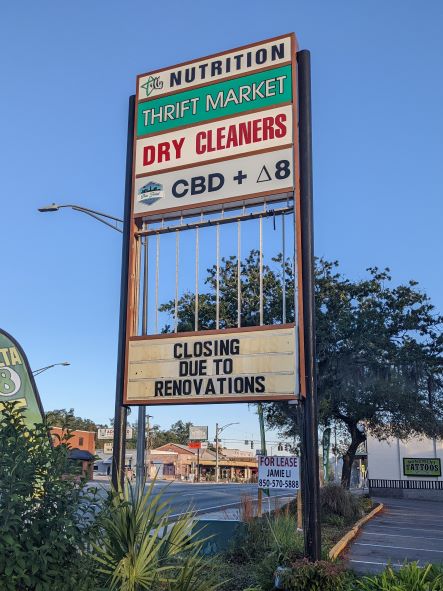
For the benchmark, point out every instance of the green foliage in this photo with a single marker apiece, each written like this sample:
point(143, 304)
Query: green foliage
point(177, 433)
point(315, 576)
point(379, 347)
point(140, 550)
point(336, 502)
point(67, 420)
point(250, 296)
point(267, 543)
point(379, 354)
point(45, 515)
point(409, 578)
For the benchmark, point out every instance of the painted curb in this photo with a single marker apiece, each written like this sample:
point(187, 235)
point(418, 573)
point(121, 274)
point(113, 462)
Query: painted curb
point(336, 550)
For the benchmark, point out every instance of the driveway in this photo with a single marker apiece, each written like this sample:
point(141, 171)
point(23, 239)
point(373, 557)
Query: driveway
point(407, 530)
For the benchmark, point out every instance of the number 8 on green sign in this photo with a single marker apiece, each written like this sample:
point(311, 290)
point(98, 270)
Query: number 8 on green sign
point(9, 382)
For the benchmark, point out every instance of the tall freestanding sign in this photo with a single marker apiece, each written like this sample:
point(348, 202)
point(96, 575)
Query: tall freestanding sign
point(215, 141)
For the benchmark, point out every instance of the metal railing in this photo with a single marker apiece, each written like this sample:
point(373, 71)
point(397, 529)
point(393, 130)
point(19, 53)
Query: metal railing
point(198, 222)
point(406, 484)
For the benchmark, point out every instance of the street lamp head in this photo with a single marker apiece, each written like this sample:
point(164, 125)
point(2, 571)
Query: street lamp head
point(52, 207)
point(65, 363)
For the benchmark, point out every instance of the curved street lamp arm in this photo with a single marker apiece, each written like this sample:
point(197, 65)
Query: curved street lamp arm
point(220, 429)
point(91, 211)
point(40, 370)
point(96, 215)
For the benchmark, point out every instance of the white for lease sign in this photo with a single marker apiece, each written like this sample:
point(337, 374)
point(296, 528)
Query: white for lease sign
point(279, 472)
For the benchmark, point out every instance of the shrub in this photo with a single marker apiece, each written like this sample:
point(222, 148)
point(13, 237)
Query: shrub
point(140, 549)
point(336, 501)
point(409, 577)
point(45, 516)
point(315, 576)
point(251, 543)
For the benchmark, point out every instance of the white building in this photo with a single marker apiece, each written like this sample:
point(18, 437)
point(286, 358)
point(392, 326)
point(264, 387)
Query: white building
point(410, 469)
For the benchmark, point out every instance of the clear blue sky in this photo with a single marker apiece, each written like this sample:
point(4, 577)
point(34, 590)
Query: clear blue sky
point(67, 71)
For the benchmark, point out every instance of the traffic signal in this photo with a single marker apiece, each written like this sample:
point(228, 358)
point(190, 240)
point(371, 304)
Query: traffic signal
point(252, 444)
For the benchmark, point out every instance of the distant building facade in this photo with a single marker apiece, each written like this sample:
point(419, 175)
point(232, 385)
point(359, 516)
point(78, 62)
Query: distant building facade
point(82, 447)
point(408, 469)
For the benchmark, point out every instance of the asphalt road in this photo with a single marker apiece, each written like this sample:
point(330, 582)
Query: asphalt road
point(407, 530)
point(209, 497)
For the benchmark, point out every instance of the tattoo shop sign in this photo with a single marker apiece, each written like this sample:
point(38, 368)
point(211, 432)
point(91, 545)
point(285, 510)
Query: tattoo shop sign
point(239, 365)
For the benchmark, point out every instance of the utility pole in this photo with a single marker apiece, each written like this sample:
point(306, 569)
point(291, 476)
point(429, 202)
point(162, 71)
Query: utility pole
point(216, 452)
point(218, 430)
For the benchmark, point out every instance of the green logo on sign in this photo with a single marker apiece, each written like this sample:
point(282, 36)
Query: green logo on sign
point(151, 84)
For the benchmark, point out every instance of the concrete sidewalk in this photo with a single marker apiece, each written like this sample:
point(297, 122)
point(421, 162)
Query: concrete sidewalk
point(407, 530)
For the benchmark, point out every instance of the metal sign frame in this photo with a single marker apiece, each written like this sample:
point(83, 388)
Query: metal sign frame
point(139, 227)
point(304, 300)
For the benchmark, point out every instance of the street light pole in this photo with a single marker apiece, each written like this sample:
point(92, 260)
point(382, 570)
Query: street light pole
point(218, 430)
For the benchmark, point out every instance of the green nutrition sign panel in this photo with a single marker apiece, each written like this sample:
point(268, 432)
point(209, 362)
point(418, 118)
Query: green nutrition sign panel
point(422, 467)
point(232, 97)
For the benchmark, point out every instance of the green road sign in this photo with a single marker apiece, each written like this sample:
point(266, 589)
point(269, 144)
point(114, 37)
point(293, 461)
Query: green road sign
point(16, 379)
point(247, 93)
point(422, 467)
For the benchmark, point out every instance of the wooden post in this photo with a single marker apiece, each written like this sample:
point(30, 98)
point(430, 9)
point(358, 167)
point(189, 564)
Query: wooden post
point(259, 502)
point(299, 512)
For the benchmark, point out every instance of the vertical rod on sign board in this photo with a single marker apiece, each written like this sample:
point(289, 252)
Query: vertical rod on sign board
point(120, 413)
point(141, 420)
point(177, 253)
point(196, 281)
point(310, 473)
point(217, 286)
point(239, 273)
point(283, 270)
point(157, 271)
point(261, 269)
point(145, 287)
